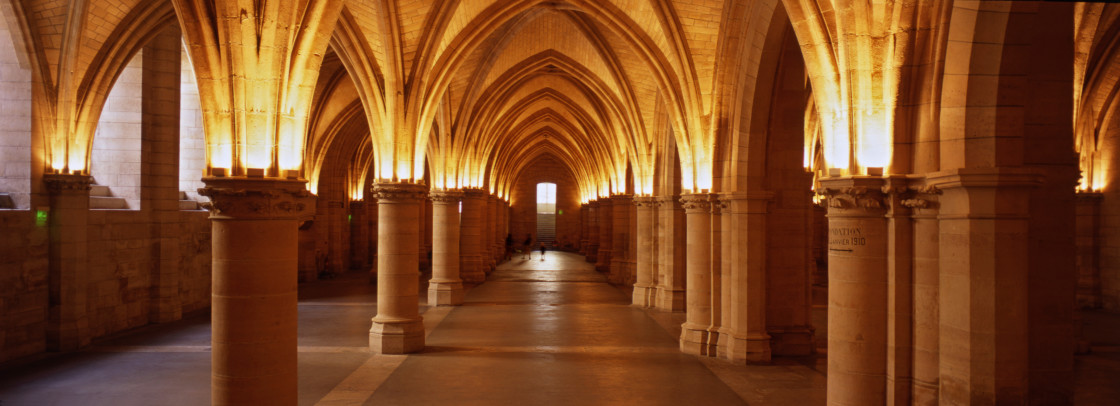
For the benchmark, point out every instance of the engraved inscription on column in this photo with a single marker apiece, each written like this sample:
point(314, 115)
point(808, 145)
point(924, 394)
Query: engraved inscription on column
point(845, 239)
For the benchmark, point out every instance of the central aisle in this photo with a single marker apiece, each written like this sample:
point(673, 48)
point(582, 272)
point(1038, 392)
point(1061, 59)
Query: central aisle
point(550, 332)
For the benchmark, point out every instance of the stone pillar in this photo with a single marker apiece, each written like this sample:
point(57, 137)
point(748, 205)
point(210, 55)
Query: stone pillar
point(983, 285)
point(721, 271)
point(492, 240)
point(372, 214)
point(858, 295)
point(698, 312)
point(747, 339)
point(67, 323)
point(632, 251)
point(470, 232)
point(485, 229)
point(671, 253)
point(1088, 250)
point(645, 287)
point(159, 183)
point(359, 235)
point(606, 242)
point(593, 231)
point(583, 210)
point(445, 288)
point(620, 240)
point(924, 385)
point(253, 312)
point(422, 262)
point(398, 327)
point(337, 243)
point(900, 291)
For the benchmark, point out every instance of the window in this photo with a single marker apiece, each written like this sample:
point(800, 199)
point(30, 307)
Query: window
point(546, 212)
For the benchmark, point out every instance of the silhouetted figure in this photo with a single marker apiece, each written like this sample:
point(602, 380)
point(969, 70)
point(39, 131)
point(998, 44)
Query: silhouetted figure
point(509, 247)
point(542, 251)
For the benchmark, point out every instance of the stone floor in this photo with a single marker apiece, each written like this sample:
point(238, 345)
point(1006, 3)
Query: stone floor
point(537, 332)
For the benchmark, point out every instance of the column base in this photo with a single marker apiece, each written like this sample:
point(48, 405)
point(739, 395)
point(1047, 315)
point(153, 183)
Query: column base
point(670, 300)
point(442, 293)
point(644, 296)
point(748, 349)
point(396, 337)
point(697, 340)
point(794, 340)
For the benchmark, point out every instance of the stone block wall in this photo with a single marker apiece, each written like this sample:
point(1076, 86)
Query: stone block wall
point(115, 161)
point(122, 253)
point(15, 121)
point(23, 284)
point(524, 199)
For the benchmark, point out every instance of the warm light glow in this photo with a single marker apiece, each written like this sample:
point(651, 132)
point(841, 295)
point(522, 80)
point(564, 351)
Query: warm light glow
point(836, 142)
point(874, 143)
point(77, 163)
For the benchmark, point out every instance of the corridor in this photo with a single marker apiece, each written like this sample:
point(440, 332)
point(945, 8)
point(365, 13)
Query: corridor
point(537, 332)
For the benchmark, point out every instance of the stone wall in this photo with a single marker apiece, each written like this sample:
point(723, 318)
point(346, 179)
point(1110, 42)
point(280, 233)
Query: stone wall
point(23, 284)
point(122, 253)
point(15, 121)
point(524, 200)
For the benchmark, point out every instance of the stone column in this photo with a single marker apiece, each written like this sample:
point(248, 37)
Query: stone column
point(1088, 250)
point(746, 307)
point(470, 232)
point(371, 214)
point(68, 219)
point(900, 291)
point(983, 285)
point(645, 288)
point(698, 312)
point(337, 243)
point(445, 288)
point(593, 231)
point(359, 235)
point(485, 229)
point(159, 184)
point(632, 250)
point(672, 254)
point(398, 327)
point(253, 311)
point(924, 385)
point(583, 210)
point(858, 295)
point(620, 241)
point(496, 249)
point(721, 271)
point(606, 242)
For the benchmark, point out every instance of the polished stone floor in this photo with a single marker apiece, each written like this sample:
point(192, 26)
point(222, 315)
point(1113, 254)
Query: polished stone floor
point(537, 332)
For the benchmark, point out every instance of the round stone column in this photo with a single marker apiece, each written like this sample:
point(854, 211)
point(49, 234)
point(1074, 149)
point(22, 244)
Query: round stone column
point(470, 236)
point(698, 269)
point(68, 219)
point(857, 291)
point(593, 231)
point(620, 241)
point(253, 312)
point(645, 288)
point(398, 327)
point(445, 288)
point(606, 242)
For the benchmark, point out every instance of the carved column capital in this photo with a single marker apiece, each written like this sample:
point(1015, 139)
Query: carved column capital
point(399, 192)
point(696, 202)
point(240, 198)
point(473, 193)
point(446, 196)
point(853, 194)
point(645, 201)
point(58, 183)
